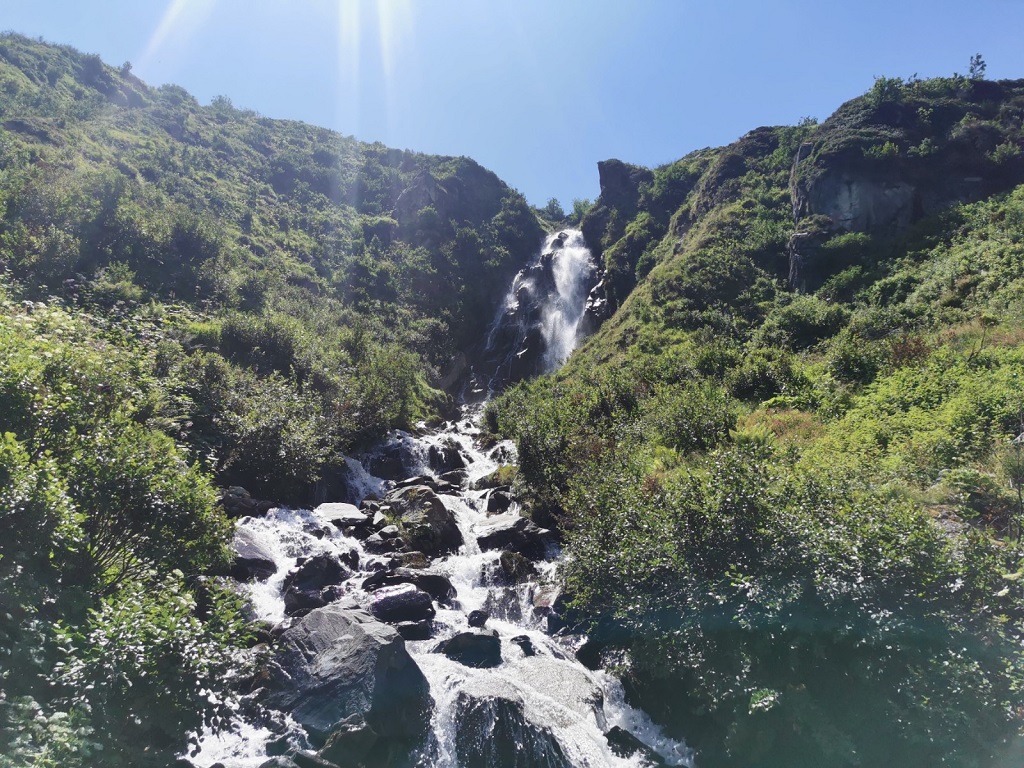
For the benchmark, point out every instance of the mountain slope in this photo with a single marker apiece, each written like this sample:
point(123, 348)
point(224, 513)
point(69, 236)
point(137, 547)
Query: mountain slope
point(192, 298)
point(783, 464)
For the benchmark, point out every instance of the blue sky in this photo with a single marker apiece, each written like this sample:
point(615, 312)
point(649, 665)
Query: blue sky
point(536, 90)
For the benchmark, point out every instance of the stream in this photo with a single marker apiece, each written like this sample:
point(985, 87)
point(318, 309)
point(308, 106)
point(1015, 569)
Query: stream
point(516, 697)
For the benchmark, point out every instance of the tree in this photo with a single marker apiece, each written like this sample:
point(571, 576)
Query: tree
point(579, 210)
point(976, 70)
point(553, 210)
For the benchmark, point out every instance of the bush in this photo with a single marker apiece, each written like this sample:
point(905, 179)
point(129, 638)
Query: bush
point(757, 603)
point(695, 417)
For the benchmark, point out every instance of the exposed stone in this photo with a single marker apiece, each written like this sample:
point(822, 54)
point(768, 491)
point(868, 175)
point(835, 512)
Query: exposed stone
point(498, 502)
point(515, 568)
point(338, 661)
point(473, 649)
point(495, 731)
point(305, 588)
point(342, 515)
point(478, 618)
point(446, 457)
point(253, 560)
point(416, 630)
point(412, 560)
point(305, 759)
point(237, 502)
point(426, 524)
point(516, 533)
point(351, 742)
point(401, 602)
point(525, 644)
point(456, 477)
point(625, 744)
point(378, 544)
point(390, 463)
point(438, 586)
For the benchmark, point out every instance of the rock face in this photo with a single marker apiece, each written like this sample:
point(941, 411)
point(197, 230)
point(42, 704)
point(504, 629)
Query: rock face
point(338, 662)
point(309, 585)
point(402, 602)
point(474, 649)
point(517, 534)
point(518, 343)
point(439, 587)
point(237, 502)
point(253, 561)
point(495, 731)
point(877, 167)
point(425, 524)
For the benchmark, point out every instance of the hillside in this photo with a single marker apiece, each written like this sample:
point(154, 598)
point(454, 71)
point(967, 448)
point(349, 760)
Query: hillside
point(194, 298)
point(783, 463)
point(783, 466)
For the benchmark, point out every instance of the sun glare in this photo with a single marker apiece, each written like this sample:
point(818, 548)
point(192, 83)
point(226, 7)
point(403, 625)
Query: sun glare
point(180, 17)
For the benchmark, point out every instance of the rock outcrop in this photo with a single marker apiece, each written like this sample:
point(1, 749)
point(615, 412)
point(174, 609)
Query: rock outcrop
point(338, 665)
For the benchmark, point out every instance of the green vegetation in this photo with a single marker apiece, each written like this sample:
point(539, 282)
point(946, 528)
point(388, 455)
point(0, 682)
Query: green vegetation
point(794, 516)
point(190, 298)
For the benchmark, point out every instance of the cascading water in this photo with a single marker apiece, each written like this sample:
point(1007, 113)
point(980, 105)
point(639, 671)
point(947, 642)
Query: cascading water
point(532, 703)
point(536, 327)
point(573, 270)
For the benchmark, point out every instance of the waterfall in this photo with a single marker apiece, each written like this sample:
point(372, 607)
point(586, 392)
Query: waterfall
point(573, 270)
point(536, 327)
point(534, 703)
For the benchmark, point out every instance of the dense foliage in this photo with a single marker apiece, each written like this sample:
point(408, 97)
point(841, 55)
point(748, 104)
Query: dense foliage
point(785, 467)
point(194, 297)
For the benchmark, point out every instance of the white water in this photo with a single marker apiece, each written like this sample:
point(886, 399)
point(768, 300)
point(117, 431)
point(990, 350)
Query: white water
point(554, 690)
point(549, 296)
point(573, 267)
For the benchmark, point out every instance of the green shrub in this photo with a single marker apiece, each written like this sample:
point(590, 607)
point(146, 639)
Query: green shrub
point(695, 417)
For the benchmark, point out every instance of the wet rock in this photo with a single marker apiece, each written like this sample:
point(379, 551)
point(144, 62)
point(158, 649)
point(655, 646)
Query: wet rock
point(416, 630)
point(625, 744)
point(351, 743)
point(544, 600)
point(515, 568)
point(412, 560)
point(525, 645)
point(446, 457)
point(504, 603)
point(305, 759)
point(426, 524)
point(338, 661)
point(402, 602)
point(278, 762)
point(253, 559)
point(456, 477)
point(494, 731)
point(436, 585)
point(379, 545)
point(502, 454)
point(498, 502)
point(342, 515)
point(390, 463)
point(306, 587)
point(478, 618)
point(473, 649)
point(516, 533)
point(436, 484)
point(237, 502)
point(499, 478)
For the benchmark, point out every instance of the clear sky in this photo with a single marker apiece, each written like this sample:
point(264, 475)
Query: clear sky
point(536, 90)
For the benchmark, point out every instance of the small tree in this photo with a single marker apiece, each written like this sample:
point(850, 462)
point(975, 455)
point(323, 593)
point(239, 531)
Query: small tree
point(976, 70)
point(553, 210)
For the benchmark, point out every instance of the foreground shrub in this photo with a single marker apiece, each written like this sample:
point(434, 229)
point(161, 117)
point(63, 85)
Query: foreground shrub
point(776, 617)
